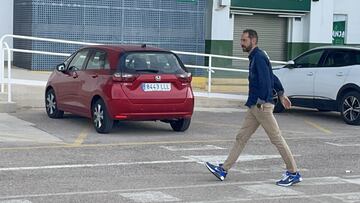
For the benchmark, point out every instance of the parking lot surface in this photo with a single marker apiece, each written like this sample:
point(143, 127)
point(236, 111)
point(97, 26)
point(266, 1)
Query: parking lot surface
point(65, 160)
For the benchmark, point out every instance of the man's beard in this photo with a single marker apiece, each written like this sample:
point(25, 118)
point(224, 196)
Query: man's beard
point(247, 49)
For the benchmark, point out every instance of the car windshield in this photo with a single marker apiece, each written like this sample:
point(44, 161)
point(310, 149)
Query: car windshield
point(151, 62)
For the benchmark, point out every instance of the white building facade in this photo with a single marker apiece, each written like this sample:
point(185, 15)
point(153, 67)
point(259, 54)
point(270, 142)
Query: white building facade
point(286, 28)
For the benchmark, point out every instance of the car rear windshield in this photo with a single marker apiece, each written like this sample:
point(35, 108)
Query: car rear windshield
point(151, 62)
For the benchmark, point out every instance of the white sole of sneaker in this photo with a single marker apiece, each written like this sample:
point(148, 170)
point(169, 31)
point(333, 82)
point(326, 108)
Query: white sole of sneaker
point(214, 173)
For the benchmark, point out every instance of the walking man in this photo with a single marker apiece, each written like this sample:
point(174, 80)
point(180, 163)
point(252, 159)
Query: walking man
point(262, 81)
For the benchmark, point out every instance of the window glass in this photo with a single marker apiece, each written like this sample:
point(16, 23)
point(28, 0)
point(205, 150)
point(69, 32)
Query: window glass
point(67, 61)
point(357, 57)
point(152, 62)
point(98, 61)
point(310, 59)
point(337, 58)
point(78, 61)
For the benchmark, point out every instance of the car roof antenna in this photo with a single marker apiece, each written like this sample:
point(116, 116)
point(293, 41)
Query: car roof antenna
point(143, 46)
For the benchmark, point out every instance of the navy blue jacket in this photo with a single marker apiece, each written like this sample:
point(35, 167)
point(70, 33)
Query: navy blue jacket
point(262, 81)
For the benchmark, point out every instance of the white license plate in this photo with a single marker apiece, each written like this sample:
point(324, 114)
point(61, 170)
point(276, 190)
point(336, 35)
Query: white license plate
point(151, 87)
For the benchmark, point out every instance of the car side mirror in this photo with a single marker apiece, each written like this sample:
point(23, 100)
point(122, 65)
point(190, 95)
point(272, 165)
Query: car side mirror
point(290, 64)
point(61, 67)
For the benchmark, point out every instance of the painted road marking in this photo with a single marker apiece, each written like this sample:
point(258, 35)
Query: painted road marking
point(217, 124)
point(189, 159)
point(270, 190)
point(192, 148)
point(187, 186)
point(353, 181)
point(93, 165)
point(343, 145)
point(219, 110)
point(324, 181)
point(116, 144)
point(150, 196)
point(222, 158)
point(82, 136)
point(16, 201)
point(350, 198)
point(59, 146)
point(322, 129)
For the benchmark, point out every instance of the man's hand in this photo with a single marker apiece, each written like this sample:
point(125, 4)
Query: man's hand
point(285, 101)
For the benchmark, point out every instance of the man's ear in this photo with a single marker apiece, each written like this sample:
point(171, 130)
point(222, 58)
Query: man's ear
point(253, 40)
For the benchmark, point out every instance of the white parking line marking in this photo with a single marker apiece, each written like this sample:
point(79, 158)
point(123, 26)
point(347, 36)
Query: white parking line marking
point(350, 198)
point(193, 186)
point(270, 190)
point(305, 198)
point(194, 148)
point(150, 196)
point(16, 201)
point(343, 145)
point(219, 110)
point(353, 181)
point(222, 158)
point(93, 165)
point(324, 181)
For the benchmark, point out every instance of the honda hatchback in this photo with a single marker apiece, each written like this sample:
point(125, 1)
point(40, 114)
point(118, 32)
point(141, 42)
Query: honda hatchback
point(109, 83)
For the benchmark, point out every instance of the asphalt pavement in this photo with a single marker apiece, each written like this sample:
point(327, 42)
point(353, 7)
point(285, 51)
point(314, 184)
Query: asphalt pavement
point(65, 160)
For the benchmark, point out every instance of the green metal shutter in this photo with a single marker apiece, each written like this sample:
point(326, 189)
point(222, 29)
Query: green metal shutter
point(272, 32)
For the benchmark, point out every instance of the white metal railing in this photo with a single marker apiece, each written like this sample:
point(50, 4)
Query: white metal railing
point(210, 68)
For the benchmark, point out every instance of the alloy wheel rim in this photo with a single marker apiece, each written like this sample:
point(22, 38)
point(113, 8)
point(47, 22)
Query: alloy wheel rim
point(50, 103)
point(98, 116)
point(351, 108)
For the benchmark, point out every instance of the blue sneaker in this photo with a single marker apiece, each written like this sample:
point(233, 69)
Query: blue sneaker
point(289, 179)
point(218, 171)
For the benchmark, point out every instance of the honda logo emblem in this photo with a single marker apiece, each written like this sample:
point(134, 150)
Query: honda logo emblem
point(158, 78)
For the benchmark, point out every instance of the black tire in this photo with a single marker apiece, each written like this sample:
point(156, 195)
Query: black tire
point(102, 121)
point(278, 105)
point(51, 105)
point(350, 108)
point(180, 125)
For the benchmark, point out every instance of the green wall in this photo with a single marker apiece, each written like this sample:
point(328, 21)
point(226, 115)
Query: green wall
point(274, 5)
point(219, 47)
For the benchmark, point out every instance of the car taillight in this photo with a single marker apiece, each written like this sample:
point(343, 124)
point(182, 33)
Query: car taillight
point(184, 77)
point(125, 77)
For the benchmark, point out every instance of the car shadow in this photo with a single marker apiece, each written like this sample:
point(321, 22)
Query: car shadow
point(332, 116)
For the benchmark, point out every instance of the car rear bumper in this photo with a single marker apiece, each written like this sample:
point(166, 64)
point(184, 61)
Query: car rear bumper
point(125, 110)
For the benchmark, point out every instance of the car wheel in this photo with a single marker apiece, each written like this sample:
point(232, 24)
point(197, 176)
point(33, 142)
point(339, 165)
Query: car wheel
point(278, 105)
point(51, 105)
point(180, 125)
point(103, 123)
point(350, 108)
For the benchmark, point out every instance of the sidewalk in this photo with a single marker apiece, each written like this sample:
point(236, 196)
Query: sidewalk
point(28, 89)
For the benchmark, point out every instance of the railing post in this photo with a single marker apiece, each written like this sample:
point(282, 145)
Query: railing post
point(210, 70)
point(2, 70)
point(9, 71)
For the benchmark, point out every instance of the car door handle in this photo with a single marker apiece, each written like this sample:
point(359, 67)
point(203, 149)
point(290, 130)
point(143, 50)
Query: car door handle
point(310, 74)
point(340, 74)
point(94, 76)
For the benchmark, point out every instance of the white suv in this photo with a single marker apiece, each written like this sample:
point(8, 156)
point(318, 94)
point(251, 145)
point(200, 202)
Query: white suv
point(325, 78)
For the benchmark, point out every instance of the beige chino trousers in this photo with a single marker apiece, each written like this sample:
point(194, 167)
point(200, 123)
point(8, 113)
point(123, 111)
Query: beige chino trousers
point(253, 119)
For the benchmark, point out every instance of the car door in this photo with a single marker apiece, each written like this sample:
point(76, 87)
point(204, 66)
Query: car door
point(95, 74)
point(330, 77)
point(298, 78)
point(71, 85)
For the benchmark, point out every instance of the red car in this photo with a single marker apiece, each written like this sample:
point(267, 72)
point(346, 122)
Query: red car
point(108, 83)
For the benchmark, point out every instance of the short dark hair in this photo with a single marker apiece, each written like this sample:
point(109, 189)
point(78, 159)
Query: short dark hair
point(252, 34)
